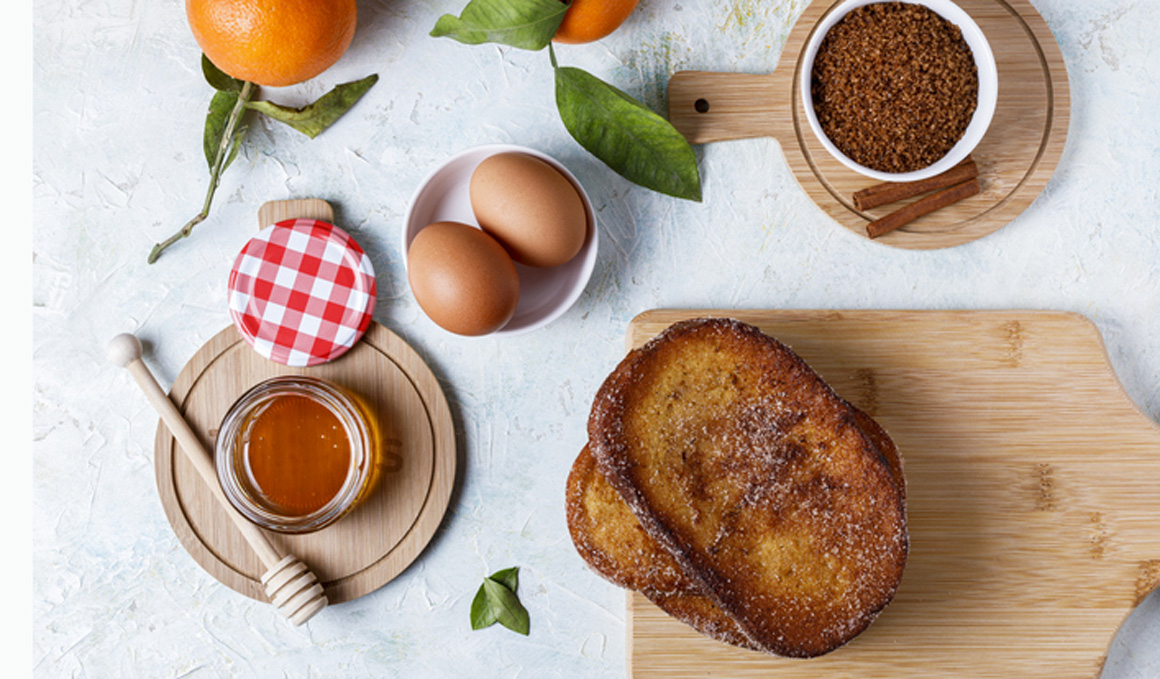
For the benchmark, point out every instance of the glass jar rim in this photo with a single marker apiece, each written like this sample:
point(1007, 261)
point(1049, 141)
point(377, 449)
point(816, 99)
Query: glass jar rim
point(340, 404)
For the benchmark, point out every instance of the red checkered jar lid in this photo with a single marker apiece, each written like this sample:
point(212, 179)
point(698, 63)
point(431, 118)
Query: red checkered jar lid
point(302, 292)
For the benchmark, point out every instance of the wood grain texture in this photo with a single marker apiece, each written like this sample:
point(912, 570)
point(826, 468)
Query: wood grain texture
point(1033, 513)
point(274, 211)
point(1016, 158)
point(386, 531)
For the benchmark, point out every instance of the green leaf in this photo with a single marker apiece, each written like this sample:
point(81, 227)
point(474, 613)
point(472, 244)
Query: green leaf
point(482, 615)
point(216, 120)
point(526, 24)
point(506, 606)
point(508, 577)
point(217, 79)
point(496, 601)
point(313, 118)
point(635, 142)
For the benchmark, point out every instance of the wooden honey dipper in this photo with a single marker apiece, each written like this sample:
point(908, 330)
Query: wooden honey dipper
point(289, 584)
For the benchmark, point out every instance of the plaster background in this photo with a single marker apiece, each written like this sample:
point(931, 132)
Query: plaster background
point(118, 105)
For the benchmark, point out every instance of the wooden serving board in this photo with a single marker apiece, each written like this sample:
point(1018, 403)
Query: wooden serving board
point(1032, 480)
point(386, 531)
point(1016, 157)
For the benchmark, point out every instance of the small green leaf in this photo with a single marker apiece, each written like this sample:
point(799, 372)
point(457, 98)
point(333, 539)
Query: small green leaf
point(496, 601)
point(508, 577)
point(635, 142)
point(526, 24)
point(216, 120)
point(506, 606)
point(482, 615)
point(217, 79)
point(313, 118)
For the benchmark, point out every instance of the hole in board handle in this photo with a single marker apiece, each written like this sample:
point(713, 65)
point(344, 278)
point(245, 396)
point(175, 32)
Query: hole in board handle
point(701, 105)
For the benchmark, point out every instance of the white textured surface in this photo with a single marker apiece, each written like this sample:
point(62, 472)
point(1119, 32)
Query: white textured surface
point(118, 104)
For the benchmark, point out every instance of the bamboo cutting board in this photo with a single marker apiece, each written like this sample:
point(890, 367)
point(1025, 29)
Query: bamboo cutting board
point(1016, 157)
point(386, 531)
point(1032, 481)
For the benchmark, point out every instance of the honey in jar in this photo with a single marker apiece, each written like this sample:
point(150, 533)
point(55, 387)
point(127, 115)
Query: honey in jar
point(294, 454)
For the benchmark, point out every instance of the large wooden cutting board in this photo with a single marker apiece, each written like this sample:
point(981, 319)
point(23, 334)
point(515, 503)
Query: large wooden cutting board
point(1034, 509)
point(1016, 158)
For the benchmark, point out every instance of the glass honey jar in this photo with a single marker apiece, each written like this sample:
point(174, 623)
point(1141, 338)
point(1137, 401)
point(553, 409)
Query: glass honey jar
point(294, 454)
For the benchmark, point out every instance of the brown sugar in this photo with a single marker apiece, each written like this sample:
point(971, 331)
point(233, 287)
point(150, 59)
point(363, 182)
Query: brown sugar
point(894, 86)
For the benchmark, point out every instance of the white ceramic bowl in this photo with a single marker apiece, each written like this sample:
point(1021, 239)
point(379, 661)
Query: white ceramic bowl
point(988, 88)
point(545, 293)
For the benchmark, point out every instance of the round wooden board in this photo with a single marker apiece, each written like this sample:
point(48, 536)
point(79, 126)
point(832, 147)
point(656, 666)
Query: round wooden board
point(383, 534)
point(1016, 158)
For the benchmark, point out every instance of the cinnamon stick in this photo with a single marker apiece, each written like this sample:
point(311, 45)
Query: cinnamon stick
point(890, 192)
point(918, 208)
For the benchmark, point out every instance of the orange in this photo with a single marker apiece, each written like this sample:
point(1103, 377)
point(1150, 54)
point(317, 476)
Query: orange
point(272, 42)
point(588, 20)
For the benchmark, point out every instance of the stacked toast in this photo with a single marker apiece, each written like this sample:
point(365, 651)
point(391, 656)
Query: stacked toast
point(724, 480)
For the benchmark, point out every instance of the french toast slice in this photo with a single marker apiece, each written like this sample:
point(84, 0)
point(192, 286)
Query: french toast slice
point(745, 466)
point(611, 540)
point(608, 536)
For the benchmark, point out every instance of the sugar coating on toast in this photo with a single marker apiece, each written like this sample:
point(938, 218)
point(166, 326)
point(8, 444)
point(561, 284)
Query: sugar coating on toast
point(746, 467)
point(702, 614)
point(610, 539)
point(608, 536)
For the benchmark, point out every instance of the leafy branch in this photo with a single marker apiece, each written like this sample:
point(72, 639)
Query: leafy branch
point(224, 132)
point(632, 140)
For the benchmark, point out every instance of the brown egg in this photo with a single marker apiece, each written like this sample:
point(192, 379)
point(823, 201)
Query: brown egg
point(462, 278)
point(532, 209)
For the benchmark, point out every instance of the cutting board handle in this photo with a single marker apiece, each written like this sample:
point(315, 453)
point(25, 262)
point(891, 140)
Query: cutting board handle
point(275, 211)
point(706, 106)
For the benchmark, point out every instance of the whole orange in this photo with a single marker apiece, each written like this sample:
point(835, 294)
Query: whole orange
point(272, 42)
point(588, 20)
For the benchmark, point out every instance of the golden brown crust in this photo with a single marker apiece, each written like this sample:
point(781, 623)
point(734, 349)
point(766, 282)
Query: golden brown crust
point(886, 447)
point(608, 536)
point(611, 540)
point(743, 464)
point(702, 614)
